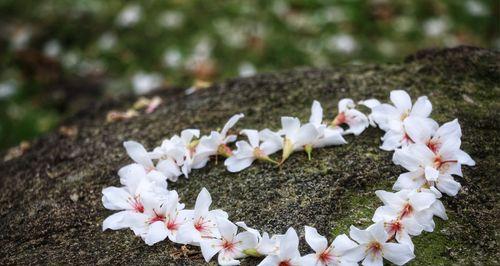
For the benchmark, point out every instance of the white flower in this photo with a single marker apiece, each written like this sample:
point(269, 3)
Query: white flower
point(247, 152)
point(391, 118)
point(348, 115)
point(324, 255)
point(297, 136)
point(169, 218)
point(129, 16)
point(288, 254)
point(230, 247)
point(448, 136)
point(216, 143)
point(127, 199)
point(146, 82)
point(398, 228)
point(373, 247)
point(327, 135)
point(431, 169)
point(138, 153)
point(370, 103)
point(409, 204)
point(265, 245)
point(204, 221)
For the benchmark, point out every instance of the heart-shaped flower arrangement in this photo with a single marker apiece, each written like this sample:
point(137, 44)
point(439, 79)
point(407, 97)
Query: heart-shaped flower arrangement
point(430, 153)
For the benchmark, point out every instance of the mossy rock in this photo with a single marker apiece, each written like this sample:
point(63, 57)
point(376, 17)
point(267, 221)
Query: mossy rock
point(50, 205)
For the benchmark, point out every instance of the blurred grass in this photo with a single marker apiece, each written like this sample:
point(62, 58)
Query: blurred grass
point(46, 47)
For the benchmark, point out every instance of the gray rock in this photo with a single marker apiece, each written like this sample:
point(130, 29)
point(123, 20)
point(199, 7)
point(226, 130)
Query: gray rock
point(41, 223)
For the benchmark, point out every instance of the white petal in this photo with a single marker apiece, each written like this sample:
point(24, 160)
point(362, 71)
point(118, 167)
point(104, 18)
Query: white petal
point(230, 123)
point(342, 244)
point(271, 260)
point(316, 114)
point(406, 159)
point(345, 104)
point(210, 247)
point(431, 174)
point(115, 221)
point(188, 134)
point(392, 140)
point(403, 238)
point(384, 214)
point(418, 130)
point(225, 260)
point(377, 230)
point(246, 240)
point(410, 180)
point(138, 153)
point(357, 121)
point(203, 202)
point(169, 168)
point(310, 259)
point(253, 137)
point(422, 107)
point(412, 226)
point(114, 198)
point(370, 103)
point(450, 130)
point(360, 236)
point(131, 175)
point(448, 185)
point(316, 241)
point(157, 232)
point(398, 254)
point(234, 164)
point(306, 135)
point(289, 245)
point(226, 228)
point(464, 158)
point(439, 210)
point(290, 125)
point(373, 260)
point(422, 200)
point(401, 100)
point(390, 199)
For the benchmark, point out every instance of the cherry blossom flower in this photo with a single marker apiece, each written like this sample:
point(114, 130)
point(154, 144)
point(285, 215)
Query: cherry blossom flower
point(216, 142)
point(130, 198)
point(169, 218)
point(427, 168)
point(230, 247)
point(328, 255)
point(370, 103)
point(409, 204)
point(139, 154)
point(391, 118)
point(373, 247)
point(398, 228)
point(448, 134)
point(247, 152)
point(348, 115)
point(265, 245)
point(396, 138)
point(288, 254)
point(297, 136)
point(204, 221)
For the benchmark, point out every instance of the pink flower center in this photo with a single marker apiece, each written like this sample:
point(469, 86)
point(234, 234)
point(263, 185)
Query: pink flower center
point(201, 225)
point(285, 263)
point(228, 246)
point(172, 225)
point(407, 211)
point(395, 227)
point(340, 119)
point(157, 218)
point(326, 257)
point(374, 248)
point(137, 205)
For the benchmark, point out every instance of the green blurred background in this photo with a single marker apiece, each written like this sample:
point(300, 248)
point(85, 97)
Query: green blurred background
point(57, 56)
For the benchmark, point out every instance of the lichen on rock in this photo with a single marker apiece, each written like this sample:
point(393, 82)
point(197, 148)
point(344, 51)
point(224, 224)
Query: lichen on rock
point(50, 205)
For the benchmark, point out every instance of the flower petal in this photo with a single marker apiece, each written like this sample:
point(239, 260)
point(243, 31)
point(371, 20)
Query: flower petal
point(316, 117)
point(138, 153)
point(422, 107)
point(316, 241)
point(157, 232)
point(210, 247)
point(253, 137)
point(398, 254)
point(230, 123)
point(401, 100)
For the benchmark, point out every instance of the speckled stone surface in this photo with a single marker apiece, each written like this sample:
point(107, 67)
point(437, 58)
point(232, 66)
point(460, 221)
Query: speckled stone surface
point(50, 204)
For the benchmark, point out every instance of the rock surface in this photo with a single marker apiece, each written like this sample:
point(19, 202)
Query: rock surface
point(50, 205)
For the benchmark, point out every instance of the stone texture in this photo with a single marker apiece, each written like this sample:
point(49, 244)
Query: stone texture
point(50, 205)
